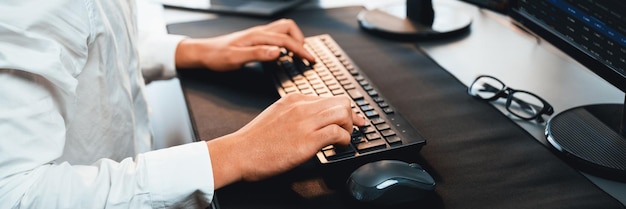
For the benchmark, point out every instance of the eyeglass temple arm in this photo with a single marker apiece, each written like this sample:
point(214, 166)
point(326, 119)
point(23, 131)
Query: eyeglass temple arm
point(524, 104)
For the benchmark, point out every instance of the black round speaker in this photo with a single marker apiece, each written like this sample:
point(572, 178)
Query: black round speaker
point(589, 138)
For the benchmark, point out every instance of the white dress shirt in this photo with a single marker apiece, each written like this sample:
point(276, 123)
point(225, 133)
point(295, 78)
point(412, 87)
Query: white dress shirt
point(74, 126)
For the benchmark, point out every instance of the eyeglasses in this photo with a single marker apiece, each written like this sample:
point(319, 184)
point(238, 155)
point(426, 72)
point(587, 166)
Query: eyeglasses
point(522, 104)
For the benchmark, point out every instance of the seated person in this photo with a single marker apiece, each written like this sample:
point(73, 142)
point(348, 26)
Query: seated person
point(74, 119)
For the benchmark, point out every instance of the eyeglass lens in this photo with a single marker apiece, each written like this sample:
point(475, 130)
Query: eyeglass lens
point(524, 105)
point(520, 103)
point(486, 87)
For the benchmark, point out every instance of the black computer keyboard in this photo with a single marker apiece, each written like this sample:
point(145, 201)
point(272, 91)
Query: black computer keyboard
point(386, 133)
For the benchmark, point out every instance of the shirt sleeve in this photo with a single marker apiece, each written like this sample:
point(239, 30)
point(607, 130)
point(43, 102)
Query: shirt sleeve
point(32, 131)
point(157, 48)
point(35, 105)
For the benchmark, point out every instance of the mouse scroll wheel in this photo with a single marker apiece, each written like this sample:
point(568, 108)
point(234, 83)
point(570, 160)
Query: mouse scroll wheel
point(386, 184)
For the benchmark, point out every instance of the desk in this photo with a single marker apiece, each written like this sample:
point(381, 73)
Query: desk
point(524, 59)
point(523, 62)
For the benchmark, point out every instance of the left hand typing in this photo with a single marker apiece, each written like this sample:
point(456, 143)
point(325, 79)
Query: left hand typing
point(232, 51)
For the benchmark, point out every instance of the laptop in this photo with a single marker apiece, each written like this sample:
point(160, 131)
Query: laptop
point(262, 8)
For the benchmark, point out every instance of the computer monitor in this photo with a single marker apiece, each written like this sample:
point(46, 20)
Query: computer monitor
point(590, 138)
point(414, 20)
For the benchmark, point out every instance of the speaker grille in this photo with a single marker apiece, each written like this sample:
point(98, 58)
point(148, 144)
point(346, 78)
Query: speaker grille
point(579, 133)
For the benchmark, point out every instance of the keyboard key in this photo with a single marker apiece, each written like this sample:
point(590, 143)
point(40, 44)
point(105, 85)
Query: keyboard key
point(355, 94)
point(372, 136)
point(345, 82)
point(334, 87)
point(292, 89)
point(339, 152)
point(393, 139)
point(371, 145)
point(321, 91)
point(368, 129)
point(361, 102)
point(371, 113)
point(372, 93)
point(338, 92)
point(376, 121)
point(383, 126)
point(349, 86)
point(388, 133)
point(318, 86)
point(356, 135)
point(366, 107)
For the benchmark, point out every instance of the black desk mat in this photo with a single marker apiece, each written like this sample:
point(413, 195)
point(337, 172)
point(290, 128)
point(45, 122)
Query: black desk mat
point(478, 156)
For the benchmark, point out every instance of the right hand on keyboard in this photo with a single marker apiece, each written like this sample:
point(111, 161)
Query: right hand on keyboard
point(285, 135)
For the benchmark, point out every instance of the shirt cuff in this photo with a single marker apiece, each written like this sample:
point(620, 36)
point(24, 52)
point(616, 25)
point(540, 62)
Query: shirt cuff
point(158, 55)
point(180, 175)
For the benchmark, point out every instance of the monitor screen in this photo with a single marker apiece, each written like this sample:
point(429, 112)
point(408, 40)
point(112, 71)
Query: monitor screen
point(593, 32)
point(501, 6)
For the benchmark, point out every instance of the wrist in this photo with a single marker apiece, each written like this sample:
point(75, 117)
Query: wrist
point(187, 54)
point(224, 161)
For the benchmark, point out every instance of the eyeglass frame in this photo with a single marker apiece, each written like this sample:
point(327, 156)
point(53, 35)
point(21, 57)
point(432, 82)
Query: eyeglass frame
point(507, 92)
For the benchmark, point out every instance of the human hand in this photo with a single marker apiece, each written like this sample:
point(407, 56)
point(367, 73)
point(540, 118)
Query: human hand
point(283, 136)
point(231, 51)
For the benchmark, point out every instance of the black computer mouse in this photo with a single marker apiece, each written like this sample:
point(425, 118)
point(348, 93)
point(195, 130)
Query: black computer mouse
point(390, 182)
